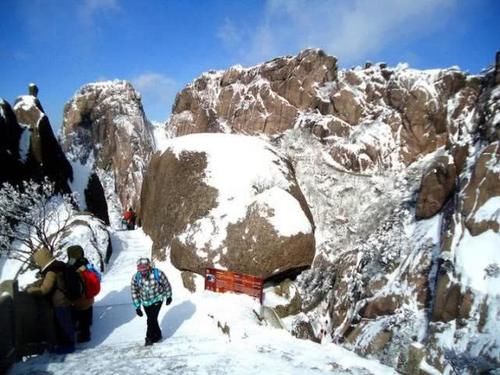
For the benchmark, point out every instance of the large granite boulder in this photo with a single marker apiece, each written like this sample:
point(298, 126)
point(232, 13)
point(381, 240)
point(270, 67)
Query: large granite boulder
point(226, 201)
point(45, 157)
point(106, 135)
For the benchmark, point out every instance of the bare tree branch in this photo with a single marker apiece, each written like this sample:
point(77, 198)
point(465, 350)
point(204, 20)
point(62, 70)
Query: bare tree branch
point(32, 216)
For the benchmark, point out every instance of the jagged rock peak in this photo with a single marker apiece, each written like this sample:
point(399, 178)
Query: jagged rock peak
point(45, 157)
point(11, 166)
point(339, 106)
point(33, 90)
point(262, 99)
point(105, 128)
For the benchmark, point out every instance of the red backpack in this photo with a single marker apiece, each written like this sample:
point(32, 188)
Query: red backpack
point(92, 280)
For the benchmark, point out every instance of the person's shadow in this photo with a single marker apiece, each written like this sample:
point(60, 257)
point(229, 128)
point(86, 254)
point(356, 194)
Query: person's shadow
point(175, 316)
point(110, 314)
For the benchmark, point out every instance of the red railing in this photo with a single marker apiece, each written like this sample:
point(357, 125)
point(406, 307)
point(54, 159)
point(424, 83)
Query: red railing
point(226, 281)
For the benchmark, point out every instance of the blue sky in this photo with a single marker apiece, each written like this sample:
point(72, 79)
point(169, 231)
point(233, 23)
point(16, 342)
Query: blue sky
point(161, 45)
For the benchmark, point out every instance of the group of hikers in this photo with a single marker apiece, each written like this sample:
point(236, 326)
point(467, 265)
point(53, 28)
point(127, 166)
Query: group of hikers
point(72, 313)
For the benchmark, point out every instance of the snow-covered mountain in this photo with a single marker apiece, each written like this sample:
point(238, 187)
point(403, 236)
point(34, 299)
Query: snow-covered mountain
point(400, 170)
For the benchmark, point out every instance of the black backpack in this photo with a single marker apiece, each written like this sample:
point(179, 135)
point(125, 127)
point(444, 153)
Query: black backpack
point(73, 285)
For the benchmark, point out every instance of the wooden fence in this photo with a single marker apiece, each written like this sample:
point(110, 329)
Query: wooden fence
point(225, 281)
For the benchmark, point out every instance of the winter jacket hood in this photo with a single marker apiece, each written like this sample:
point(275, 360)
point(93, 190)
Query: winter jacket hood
point(75, 252)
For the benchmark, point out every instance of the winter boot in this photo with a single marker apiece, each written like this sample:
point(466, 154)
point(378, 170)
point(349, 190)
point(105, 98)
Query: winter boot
point(157, 338)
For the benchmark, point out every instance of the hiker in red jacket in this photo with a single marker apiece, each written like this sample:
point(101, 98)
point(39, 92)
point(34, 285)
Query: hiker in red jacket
point(83, 306)
point(129, 219)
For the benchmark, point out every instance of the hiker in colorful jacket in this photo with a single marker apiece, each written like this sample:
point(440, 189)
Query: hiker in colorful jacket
point(83, 307)
point(149, 287)
point(52, 286)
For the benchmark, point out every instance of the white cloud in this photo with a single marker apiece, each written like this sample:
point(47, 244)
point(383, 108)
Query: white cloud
point(229, 34)
point(351, 30)
point(89, 8)
point(158, 93)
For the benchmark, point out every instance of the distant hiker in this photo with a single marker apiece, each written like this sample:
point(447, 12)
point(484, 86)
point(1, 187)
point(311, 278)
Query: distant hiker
point(52, 286)
point(149, 286)
point(83, 306)
point(129, 219)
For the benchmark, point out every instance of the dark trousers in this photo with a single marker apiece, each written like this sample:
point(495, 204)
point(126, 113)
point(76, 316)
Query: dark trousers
point(83, 321)
point(153, 332)
point(65, 326)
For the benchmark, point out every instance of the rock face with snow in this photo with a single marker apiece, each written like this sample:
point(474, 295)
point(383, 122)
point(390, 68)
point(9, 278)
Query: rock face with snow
point(401, 169)
point(12, 169)
point(364, 115)
point(438, 183)
point(45, 157)
point(92, 235)
point(229, 202)
point(263, 99)
point(106, 132)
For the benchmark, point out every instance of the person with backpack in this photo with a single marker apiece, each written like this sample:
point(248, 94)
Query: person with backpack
point(129, 219)
point(52, 285)
point(149, 287)
point(83, 306)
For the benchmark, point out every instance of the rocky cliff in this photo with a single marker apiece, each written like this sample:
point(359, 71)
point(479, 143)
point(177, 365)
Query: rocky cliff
point(400, 168)
point(29, 147)
point(108, 139)
point(12, 168)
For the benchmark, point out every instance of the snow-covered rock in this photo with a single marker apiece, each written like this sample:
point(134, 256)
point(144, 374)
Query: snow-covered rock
point(370, 117)
point(374, 148)
point(262, 99)
point(106, 132)
point(44, 157)
point(438, 183)
point(481, 195)
point(228, 201)
point(92, 235)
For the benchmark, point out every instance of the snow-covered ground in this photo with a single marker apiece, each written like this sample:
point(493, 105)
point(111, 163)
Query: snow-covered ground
point(193, 342)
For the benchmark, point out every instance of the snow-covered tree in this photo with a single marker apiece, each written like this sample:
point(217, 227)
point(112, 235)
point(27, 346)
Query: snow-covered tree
point(32, 216)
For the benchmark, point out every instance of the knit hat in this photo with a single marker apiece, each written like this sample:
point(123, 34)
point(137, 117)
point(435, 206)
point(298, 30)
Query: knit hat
point(143, 264)
point(75, 252)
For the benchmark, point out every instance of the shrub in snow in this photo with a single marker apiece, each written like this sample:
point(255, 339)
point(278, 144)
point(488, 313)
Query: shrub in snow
point(34, 216)
point(31, 217)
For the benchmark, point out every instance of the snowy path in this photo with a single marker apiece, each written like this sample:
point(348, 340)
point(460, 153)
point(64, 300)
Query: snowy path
point(193, 343)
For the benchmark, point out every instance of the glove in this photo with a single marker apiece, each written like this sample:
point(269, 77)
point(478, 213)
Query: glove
point(138, 311)
point(168, 301)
